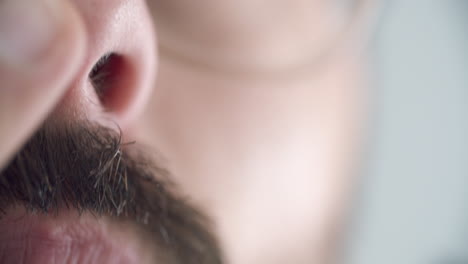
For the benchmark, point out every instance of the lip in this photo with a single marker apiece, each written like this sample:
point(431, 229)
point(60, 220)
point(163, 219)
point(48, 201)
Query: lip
point(67, 237)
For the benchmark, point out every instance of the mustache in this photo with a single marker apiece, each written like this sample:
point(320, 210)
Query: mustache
point(87, 167)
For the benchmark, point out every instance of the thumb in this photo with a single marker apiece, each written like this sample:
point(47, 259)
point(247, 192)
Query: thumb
point(42, 43)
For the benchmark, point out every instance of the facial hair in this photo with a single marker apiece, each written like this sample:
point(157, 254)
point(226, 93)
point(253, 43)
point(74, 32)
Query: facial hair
point(86, 167)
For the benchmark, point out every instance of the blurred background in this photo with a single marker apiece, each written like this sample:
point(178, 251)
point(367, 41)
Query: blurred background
point(414, 204)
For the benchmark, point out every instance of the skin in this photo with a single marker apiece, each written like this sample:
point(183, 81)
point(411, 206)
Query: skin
point(257, 133)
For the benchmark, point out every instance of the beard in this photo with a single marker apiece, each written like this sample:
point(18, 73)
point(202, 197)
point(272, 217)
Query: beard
point(86, 167)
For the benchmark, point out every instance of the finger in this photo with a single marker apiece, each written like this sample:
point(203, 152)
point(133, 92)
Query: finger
point(41, 45)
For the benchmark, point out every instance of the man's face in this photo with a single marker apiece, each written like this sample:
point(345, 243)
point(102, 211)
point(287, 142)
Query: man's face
point(78, 191)
point(254, 118)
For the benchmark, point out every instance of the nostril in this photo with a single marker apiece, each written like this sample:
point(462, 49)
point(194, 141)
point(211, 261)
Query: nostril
point(117, 70)
point(107, 77)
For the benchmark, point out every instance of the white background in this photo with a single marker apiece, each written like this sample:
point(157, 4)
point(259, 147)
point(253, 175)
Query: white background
point(414, 204)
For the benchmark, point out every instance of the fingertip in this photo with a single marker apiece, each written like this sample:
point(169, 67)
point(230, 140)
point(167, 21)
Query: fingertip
point(35, 73)
point(66, 51)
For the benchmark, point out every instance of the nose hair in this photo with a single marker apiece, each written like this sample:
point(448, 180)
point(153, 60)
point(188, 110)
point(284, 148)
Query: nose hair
point(120, 63)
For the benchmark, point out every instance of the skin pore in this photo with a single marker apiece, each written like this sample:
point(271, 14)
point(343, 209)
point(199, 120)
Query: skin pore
point(261, 135)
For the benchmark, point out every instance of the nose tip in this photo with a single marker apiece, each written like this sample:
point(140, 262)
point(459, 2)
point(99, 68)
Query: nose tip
point(119, 66)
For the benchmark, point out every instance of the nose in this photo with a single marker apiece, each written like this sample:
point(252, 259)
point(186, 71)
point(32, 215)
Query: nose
point(120, 62)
